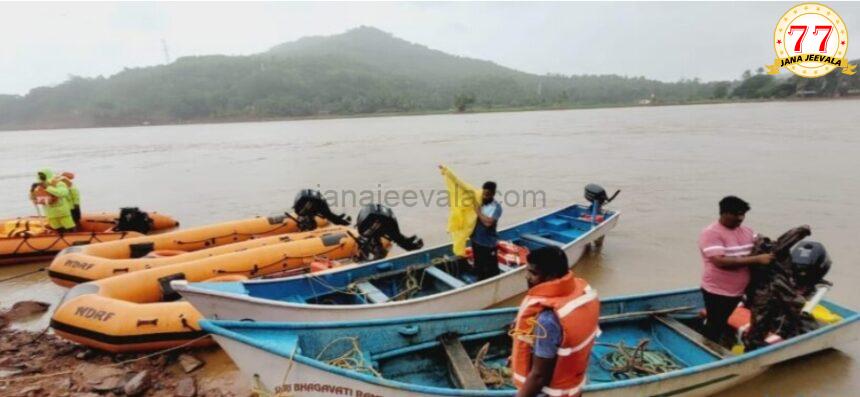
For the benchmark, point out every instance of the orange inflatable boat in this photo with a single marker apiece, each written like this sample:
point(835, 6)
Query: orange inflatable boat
point(29, 239)
point(138, 312)
point(94, 262)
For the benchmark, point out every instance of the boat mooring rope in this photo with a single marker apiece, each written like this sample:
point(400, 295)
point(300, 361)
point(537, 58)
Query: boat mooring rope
point(260, 390)
point(352, 359)
point(634, 362)
point(25, 242)
point(493, 376)
point(234, 235)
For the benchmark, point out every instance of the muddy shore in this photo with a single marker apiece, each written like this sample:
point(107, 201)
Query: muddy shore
point(40, 364)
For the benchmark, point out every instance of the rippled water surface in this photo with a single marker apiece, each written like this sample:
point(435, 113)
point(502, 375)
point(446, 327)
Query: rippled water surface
point(796, 163)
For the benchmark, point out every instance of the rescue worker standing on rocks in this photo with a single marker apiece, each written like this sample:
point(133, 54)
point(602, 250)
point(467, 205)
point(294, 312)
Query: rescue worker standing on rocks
point(53, 194)
point(555, 329)
point(725, 247)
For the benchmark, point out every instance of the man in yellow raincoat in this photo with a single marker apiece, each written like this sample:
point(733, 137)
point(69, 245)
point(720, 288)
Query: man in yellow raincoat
point(53, 195)
point(74, 195)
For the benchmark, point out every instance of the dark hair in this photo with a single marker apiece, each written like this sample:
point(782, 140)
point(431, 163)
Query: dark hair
point(490, 185)
point(733, 205)
point(549, 261)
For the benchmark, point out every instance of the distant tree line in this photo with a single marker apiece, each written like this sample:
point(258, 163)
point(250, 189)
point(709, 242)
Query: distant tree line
point(761, 85)
point(363, 71)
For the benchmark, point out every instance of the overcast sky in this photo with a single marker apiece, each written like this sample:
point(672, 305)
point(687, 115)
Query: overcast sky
point(44, 43)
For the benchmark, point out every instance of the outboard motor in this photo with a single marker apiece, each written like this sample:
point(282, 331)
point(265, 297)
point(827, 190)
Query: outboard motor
point(376, 222)
point(132, 219)
point(310, 204)
point(810, 262)
point(781, 296)
point(596, 195)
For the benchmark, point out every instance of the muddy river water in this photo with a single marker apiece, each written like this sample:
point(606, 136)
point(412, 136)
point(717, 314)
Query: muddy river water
point(795, 162)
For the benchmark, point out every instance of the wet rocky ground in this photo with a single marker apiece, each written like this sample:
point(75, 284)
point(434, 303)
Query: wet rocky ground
point(37, 364)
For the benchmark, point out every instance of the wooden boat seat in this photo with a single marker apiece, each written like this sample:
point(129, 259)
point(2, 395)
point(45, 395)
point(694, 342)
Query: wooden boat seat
point(556, 223)
point(463, 370)
point(371, 293)
point(444, 277)
point(568, 217)
point(541, 240)
point(695, 337)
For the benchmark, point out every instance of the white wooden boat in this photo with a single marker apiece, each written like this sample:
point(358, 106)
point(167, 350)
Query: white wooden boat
point(425, 281)
point(417, 356)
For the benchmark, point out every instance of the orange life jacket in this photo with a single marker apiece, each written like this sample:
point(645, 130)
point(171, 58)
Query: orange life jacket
point(578, 310)
point(507, 253)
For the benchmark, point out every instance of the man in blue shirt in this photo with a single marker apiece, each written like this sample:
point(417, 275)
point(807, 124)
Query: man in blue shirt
point(484, 237)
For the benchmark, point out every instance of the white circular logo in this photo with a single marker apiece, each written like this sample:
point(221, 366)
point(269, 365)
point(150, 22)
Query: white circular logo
point(810, 40)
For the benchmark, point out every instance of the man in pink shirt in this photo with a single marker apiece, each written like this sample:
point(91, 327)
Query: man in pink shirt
point(725, 246)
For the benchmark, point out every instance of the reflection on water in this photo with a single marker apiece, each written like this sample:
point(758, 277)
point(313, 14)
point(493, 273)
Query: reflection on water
point(796, 163)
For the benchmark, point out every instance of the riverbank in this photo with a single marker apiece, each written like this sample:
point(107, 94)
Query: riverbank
point(477, 110)
point(39, 364)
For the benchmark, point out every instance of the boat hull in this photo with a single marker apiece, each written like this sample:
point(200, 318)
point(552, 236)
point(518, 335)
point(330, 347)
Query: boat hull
point(275, 368)
point(483, 294)
point(93, 228)
point(95, 262)
point(134, 312)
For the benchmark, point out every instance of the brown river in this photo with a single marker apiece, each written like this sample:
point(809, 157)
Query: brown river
point(795, 162)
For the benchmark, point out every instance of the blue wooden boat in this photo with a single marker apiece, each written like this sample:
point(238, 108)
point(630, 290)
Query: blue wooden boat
point(423, 356)
point(425, 281)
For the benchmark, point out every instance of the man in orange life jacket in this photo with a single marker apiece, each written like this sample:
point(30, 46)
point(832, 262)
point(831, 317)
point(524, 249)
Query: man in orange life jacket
point(555, 329)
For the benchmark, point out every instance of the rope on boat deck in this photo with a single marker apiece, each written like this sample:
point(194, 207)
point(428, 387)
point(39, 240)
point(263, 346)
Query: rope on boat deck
point(493, 376)
point(11, 379)
point(633, 362)
point(352, 359)
point(411, 284)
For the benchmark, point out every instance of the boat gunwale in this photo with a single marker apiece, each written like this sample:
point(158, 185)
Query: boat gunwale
point(183, 286)
point(212, 326)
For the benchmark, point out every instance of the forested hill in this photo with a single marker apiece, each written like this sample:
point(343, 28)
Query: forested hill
point(362, 71)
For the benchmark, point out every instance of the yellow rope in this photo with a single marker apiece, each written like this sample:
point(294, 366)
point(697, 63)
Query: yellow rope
point(528, 332)
point(259, 390)
point(351, 359)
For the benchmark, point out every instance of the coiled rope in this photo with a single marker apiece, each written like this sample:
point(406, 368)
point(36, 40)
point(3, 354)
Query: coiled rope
point(351, 359)
point(634, 362)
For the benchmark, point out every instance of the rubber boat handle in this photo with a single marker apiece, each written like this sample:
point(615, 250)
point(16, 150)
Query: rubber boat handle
point(408, 330)
point(147, 322)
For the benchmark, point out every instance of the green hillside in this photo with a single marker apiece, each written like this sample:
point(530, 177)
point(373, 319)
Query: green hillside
point(362, 71)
